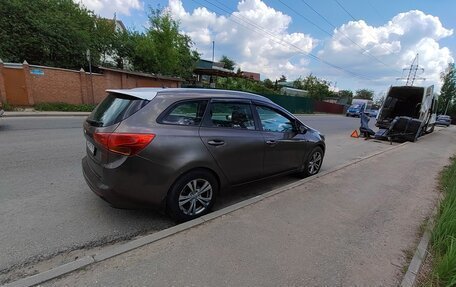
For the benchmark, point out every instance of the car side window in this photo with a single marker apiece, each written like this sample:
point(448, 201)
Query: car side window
point(273, 121)
point(188, 113)
point(231, 115)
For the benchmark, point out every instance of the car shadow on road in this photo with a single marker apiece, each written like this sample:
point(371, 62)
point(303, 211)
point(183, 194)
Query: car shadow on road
point(238, 194)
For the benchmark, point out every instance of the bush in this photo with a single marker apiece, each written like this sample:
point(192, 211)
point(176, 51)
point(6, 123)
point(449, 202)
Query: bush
point(64, 107)
point(8, 107)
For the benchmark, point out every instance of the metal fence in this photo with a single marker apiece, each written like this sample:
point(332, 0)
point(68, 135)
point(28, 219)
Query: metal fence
point(296, 105)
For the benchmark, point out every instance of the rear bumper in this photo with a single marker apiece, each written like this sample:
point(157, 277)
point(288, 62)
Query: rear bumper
point(118, 195)
point(105, 192)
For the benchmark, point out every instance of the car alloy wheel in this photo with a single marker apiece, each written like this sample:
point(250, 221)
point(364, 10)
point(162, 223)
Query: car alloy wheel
point(314, 162)
point(195, 197)
point(192, 195)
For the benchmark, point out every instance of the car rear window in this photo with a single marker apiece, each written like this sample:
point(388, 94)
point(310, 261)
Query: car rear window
point(114, 109)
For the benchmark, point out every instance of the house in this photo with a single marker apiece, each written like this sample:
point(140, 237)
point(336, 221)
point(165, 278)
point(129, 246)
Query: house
point(251, 75)
point(207, 72)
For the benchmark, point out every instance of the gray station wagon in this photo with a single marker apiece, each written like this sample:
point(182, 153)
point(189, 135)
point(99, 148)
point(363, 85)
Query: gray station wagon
point(175, 149)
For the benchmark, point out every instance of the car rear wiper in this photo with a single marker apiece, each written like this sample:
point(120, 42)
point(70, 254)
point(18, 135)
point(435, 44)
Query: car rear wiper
point(95, 123)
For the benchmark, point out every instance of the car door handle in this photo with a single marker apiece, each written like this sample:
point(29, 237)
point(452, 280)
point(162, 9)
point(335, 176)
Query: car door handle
point(216, 142)
point(271, 142)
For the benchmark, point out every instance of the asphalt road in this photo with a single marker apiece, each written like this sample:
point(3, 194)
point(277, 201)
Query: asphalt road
point(47, 208)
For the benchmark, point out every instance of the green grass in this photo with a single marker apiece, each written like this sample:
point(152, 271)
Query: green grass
point(443, 241)
point(64, 107)
point(7, 107)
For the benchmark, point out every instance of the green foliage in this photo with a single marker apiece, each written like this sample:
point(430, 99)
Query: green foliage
point(345, 94)
point(228, 63)
point(448, 90)
point(317, 89)
point(46, 32)
point(242, 84)
point(103, 38)
point(364, 94)
point(282, 79)
point(7, 107)
point(162, 49)
point(268, 84)
point(444, 233)
point(64, 107)
point(58, 33)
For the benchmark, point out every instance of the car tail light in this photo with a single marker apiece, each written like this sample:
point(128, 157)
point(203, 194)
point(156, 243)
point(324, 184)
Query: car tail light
point(123, 143)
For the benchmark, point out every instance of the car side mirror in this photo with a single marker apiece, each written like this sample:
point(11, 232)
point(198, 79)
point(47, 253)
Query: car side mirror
point(301, 129)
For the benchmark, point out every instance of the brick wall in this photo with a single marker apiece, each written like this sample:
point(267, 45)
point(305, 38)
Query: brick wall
point(56, 85)
point(46, 84)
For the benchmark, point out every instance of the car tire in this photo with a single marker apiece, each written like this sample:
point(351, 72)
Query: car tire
point(310, 166)
point(192, 195)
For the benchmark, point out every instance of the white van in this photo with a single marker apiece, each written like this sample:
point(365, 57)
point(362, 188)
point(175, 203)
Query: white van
point(419, 103)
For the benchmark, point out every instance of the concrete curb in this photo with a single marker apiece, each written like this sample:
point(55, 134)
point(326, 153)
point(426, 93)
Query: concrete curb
point(136, 243)
point(420, 254)
point(53, 273)
point(45, 114)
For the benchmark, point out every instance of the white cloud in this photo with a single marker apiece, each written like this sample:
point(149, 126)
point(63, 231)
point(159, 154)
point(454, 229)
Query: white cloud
point(252, 36)
point(385, 50)
point(107, 8)
point(394, 44)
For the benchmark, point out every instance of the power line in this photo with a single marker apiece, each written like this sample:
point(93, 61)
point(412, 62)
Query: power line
point(345, 35)
point(280, 41)
point(307, 19)
point(349, 14)
point(346, 11)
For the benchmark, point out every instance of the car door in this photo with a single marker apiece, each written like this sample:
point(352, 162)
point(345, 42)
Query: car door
point(285, 147)
point(236, 143)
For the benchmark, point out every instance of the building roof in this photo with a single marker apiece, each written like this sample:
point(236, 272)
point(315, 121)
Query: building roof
point(154, 76)
point(206, 67)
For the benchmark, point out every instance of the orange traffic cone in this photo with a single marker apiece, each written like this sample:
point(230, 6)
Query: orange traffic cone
point(355, 134)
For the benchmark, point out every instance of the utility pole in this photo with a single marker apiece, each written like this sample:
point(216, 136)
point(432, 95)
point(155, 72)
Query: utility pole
point(412, 73)
point(90, 72)
point(213, 51)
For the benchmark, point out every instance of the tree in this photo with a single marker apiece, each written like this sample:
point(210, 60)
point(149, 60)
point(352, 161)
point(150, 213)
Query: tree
point(364, 94)
point(317, 88)
point(282, 79)
point(46, 32)
point(228, 63)
point(346, 96)
point(448, 90)
point(268, 84)
point(103, 39)
point(162, 49)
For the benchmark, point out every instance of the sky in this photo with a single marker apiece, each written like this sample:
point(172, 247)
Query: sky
point(353, 44)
